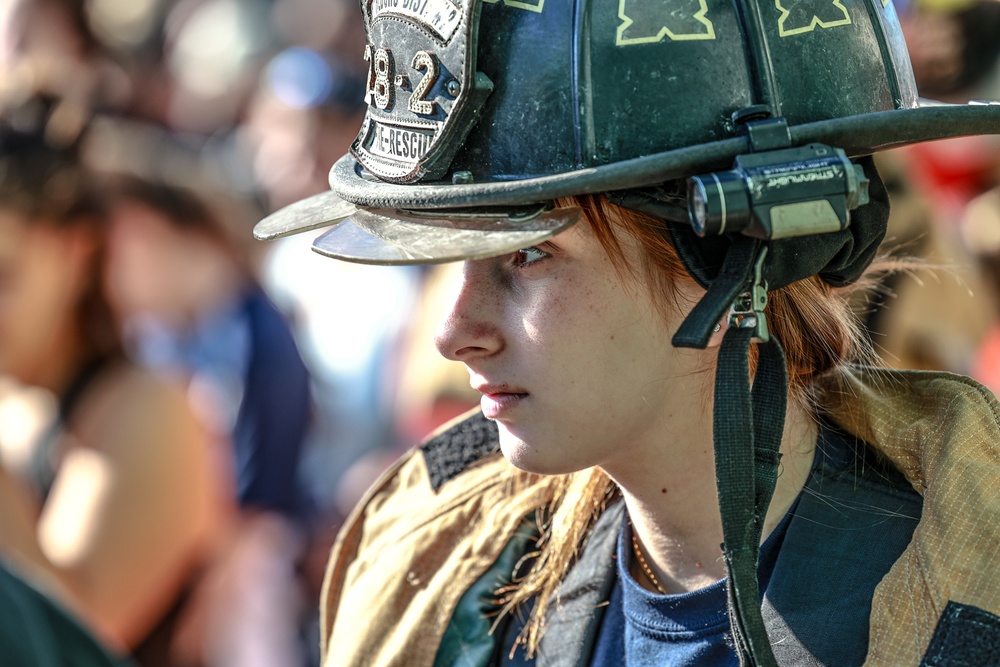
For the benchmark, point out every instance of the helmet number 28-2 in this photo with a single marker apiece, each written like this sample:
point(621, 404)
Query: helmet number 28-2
point(382, 80)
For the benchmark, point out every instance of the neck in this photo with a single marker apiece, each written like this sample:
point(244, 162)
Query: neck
point(209, 286)
point(674, 507)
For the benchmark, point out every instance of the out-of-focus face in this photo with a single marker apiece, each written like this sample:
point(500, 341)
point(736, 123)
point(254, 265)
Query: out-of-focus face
point(144, 261)
point(42, 275)
point(574, 361)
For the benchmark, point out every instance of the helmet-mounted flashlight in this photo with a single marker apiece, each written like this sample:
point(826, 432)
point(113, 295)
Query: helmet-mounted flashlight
point(778, 194)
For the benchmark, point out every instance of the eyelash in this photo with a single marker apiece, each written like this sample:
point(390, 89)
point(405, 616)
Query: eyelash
point(519, 255)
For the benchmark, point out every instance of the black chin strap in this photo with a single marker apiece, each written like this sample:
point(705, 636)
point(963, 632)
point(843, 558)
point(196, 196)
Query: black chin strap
point(734, 276)
point(747, 427)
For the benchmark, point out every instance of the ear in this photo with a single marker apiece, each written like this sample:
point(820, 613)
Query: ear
point(715, 340)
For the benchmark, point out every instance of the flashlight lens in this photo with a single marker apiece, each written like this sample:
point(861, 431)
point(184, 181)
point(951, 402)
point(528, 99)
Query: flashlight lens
point(697, 205)
point(718, 203)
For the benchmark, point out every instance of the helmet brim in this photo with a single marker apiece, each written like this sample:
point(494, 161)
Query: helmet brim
point(396, 237)
point(376, 222)
point(315, 212)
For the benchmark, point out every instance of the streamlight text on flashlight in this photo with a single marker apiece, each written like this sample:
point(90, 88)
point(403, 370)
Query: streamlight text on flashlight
point(779, 194)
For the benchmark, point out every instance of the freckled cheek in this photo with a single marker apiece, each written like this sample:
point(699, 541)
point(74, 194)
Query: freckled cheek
point(544, 320)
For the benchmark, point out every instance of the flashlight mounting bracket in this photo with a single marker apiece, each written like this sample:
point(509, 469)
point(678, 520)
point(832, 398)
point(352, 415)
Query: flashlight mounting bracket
point(764, 134)
point(747, 311)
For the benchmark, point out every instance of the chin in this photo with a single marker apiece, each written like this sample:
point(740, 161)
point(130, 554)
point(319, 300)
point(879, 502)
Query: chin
point(529, 456)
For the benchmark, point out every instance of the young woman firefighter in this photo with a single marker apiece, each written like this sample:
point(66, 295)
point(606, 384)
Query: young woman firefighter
point(678, 460)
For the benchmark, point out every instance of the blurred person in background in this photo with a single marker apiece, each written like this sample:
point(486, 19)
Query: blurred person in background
point(37, 631)
point(192, 307)
point(981, 232)
point(49, 44)
point(954, 50)
point(304, 112)
point(954, 46)
point(948, 285)
point(272, 91)
point(118, 497)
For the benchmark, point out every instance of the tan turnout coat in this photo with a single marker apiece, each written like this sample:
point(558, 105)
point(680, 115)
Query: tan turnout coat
point(408, 552)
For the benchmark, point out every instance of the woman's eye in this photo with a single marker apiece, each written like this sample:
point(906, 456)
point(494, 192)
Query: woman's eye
point(528, 256)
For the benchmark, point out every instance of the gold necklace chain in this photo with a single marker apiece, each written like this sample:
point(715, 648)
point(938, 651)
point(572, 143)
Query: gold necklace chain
point(645, 568)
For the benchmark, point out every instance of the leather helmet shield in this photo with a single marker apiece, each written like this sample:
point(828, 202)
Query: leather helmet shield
point(422, 91)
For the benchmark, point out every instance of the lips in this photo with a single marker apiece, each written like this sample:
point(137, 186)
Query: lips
point(499, 400)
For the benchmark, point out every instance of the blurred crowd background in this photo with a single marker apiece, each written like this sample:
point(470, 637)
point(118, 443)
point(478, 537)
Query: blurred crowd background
point(188, 415)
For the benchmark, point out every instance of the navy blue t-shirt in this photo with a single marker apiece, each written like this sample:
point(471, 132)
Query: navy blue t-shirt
point(862, 531)
point(246, 353)
point(644, 628)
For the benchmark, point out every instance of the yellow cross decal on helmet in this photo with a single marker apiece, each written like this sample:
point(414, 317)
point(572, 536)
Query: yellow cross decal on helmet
point(644, 22)
point(799, 16)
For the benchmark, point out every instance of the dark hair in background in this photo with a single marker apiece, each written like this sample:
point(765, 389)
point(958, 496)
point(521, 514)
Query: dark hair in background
point(978, 26)
point(186, 209)
point(182, 207)
point(41, 172)
point(43, 179)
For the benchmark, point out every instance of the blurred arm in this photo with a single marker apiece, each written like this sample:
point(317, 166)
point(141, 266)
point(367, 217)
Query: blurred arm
point(131, 508)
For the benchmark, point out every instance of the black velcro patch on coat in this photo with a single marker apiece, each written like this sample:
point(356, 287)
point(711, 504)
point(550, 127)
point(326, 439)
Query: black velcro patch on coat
point(450, 452)
point(965, 636)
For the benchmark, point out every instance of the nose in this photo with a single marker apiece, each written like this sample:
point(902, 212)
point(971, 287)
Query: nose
point(470, 327)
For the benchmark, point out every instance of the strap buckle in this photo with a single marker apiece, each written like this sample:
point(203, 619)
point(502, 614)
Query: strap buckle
point(747, 311)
